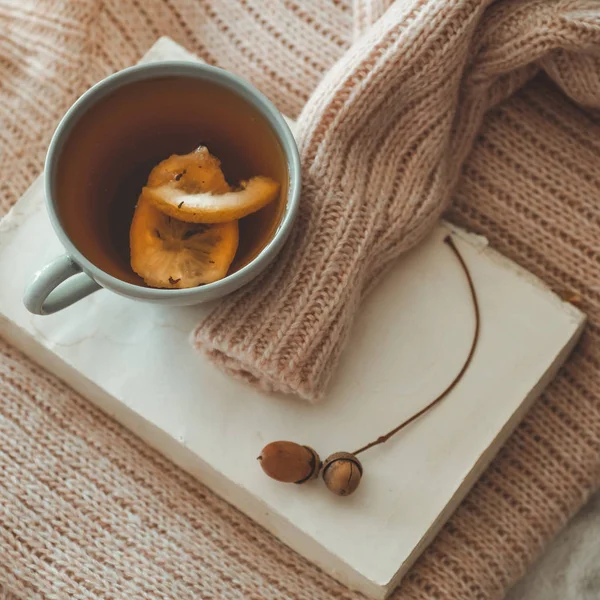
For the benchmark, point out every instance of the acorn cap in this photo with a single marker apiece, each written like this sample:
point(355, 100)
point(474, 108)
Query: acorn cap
point(315, 465)
point(342, 473)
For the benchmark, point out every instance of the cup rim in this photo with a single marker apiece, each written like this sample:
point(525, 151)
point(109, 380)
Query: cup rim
point(174, 68)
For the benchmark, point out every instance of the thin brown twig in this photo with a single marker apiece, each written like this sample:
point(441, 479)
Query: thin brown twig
point(384, 438)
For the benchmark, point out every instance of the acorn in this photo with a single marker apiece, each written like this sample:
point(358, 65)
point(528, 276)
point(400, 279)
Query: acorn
point(342, 472)
point(290, 462)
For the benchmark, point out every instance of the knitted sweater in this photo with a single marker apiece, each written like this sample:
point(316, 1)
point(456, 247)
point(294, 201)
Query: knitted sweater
point(383, 140)
point(86, 509)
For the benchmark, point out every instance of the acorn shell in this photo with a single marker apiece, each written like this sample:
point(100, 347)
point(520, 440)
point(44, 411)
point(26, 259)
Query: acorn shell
point(342, 473)
point(289, 462)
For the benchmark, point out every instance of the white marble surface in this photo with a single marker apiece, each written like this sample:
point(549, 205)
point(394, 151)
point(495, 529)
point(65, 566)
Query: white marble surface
point(411, 336)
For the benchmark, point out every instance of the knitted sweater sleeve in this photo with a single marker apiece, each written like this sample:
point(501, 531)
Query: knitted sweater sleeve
point(382, 141)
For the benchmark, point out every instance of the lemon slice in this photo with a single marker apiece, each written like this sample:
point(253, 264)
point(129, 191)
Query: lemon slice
point(209, 207)
point(198, 171)
point(168, 253)
point(192, 188)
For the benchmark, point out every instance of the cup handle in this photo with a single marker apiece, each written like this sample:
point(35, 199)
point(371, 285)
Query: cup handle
point(49, 290)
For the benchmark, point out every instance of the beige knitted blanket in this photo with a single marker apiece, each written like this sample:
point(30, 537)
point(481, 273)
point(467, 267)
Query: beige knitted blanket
point(491, 108)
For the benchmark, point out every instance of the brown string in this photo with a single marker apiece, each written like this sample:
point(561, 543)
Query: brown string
point(384, 438)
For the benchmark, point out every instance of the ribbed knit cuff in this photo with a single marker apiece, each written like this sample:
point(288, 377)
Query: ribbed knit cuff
point(285, 330)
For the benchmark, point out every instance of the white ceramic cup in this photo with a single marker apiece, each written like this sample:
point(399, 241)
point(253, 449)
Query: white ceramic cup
point(72, 276)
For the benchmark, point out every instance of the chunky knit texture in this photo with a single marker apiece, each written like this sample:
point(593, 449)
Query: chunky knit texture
point(382, 140)
point(87, 510)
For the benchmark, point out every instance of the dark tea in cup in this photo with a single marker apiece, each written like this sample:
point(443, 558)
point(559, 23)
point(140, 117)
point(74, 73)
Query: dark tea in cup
point(110, 151)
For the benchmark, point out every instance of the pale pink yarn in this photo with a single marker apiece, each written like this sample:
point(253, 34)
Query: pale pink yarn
point(382, 141)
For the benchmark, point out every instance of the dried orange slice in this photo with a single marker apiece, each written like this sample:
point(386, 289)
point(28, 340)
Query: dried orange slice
point(198, 171)
point(168, 253)
point(192, 188)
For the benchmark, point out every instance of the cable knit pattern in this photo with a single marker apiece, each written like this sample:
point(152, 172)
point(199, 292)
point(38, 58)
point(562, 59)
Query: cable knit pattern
point(87, 511)
point(382, 141)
